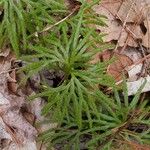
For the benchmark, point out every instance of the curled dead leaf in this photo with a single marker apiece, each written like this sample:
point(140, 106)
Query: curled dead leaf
point(12, 83)
point(117, 68)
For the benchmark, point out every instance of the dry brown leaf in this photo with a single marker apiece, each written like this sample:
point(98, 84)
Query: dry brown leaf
point(3, 133)
point(123, 22)
point(12, 83)
point(134, 71)
point(118, 66)
point(112, 5)
point(4, 67)
point(134, 33)
point(106, 55)
point(22, 128)
point(5, 52)
point(133, 10)
point(4, 103)
point(146, 37)
point(29, 117)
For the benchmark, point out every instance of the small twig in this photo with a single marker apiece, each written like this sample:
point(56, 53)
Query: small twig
point(124, 24)
point(41, 146)
point(62, 20)
point(7, 71)
point(140, 61)
point(145, 63)
point(131, 34)
point(133, 144)
point(8, 129)
point(118, 130)
point(148, 30)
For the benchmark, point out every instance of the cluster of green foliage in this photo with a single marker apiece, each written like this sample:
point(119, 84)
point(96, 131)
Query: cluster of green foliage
point(86, 117)
point(21, 18)
point(105, 122)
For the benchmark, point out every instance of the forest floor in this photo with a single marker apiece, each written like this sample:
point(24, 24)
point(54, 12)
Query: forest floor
point(128, 29)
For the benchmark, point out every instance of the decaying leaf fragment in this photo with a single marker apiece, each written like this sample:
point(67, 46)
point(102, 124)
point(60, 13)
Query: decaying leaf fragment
point(146, 36)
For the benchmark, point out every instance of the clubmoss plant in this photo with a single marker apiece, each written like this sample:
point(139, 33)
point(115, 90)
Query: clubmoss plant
point(86, 117)
point(21, 18)
point(70, 50)
point(106, 125)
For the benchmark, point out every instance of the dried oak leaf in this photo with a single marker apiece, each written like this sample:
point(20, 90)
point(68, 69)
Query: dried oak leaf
point(109, 7)
point(116, 68)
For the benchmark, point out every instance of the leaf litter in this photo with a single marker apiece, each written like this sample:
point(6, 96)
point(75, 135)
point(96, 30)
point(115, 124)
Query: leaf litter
point(128, 26)
point(16, 130)
point(127, 23)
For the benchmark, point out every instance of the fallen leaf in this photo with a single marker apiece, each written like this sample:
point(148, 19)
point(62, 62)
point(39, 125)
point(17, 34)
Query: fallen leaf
point(4, 103)
point(119, 28)
point(106, 55)
point(135, 85)
point(29, 117)
point(146, 37)
point(112, 5)
point(117, 68)
point(5, 52)
point(27, 145)
point(133, 11)
point(134, 72)
point(12, 83)
point(3, 133)
point(23, 129)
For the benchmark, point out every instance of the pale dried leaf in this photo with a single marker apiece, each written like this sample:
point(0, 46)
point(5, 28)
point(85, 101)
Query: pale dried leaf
point(3, 100)
point(135, 85)
point(13, 118)
point(133, 53)
point(28, 145)
point(133, 10)
point(36, 108)
point(3, 133)
point(23, 134)
point(131, 14)
point(5, 52)
point(12, 83)
point(134, 72)
point(4, 103)
point(114, 29)
point(112, 5)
